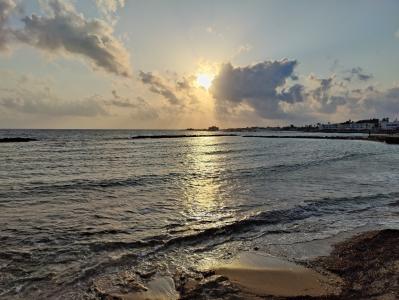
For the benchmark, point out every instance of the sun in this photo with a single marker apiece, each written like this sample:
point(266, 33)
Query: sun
point(204, 80)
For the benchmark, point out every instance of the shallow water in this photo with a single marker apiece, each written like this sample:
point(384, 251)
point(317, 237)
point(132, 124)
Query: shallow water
point(78, 203)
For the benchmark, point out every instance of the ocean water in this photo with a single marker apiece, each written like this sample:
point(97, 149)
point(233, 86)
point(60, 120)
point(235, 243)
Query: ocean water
point(79, 203)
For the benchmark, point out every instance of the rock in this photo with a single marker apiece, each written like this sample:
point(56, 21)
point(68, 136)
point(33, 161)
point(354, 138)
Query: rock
point(212, 287)
point(146, 275)
point(116, 285)
point(368, 264)
point(16, 140)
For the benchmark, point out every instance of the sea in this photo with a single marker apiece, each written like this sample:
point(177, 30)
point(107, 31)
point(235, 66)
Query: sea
point(77, 204)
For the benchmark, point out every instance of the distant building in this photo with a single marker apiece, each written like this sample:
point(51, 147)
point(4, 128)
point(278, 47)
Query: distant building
point(213, 128)
point(328, 126)
point(386, 125)
point(365, 124)
point(351, 125)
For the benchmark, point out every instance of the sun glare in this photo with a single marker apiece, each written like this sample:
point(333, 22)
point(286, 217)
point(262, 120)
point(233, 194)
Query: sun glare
point(204, 80)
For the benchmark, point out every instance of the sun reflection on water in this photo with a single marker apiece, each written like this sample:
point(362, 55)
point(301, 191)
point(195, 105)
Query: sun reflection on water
point(202, 190)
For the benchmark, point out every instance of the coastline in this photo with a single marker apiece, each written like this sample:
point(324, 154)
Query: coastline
point(364, 266)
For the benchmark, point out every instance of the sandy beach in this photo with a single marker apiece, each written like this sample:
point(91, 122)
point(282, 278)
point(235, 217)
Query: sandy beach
point(261, 274)
point(365, 266)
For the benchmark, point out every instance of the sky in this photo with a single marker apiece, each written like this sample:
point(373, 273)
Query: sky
point(172, 64)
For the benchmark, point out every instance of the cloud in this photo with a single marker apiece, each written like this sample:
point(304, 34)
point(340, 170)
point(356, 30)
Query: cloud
point(331, 97)
point(293, 94)
point(160, 86)
point(325, 97)
point(26, 94)
point(384, 103)
point(44, 103)
point(6, 9)
point(65, 31)
point(108, 8)
point(209, 29)
point(397, 34)
point(144, 111)
point(139, 109)
point(359, 74)
point(242, 49)
point(266, 90)
point(261, 86)
point(119, 101)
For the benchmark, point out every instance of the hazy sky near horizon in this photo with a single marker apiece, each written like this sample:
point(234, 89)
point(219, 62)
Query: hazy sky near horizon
point(177, 64)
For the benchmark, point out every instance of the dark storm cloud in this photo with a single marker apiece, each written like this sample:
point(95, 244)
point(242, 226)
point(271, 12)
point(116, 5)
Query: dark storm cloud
point(64, 30)
point(258, 86)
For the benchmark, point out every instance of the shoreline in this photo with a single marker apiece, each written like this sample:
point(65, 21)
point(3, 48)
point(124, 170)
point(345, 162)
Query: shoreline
point(364, 266)
point(389, 139)
point(384, 138)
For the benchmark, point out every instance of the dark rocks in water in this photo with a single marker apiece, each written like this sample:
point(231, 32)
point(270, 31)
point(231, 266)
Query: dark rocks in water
point(368, 264)
point(17, 140)
point(114, 286)
point(175, 136)
point(213, 128)
point(213, 287)
point(392, 139)
point(387, 138)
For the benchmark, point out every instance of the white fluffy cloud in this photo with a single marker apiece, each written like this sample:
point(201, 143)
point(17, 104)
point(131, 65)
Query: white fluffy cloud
point(65, 31)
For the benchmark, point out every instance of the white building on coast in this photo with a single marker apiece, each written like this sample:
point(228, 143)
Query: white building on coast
point(362, 125)
point(386, 125)
point(351, 125)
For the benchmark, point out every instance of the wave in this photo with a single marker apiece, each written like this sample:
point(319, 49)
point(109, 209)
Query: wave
point(154, 179)
point(319, 208)
point(135, 251)
point(322, 207)
point(282, 168)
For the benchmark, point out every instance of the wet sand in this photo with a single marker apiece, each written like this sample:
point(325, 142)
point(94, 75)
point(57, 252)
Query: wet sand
point(365, 266)
point(262, 275)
